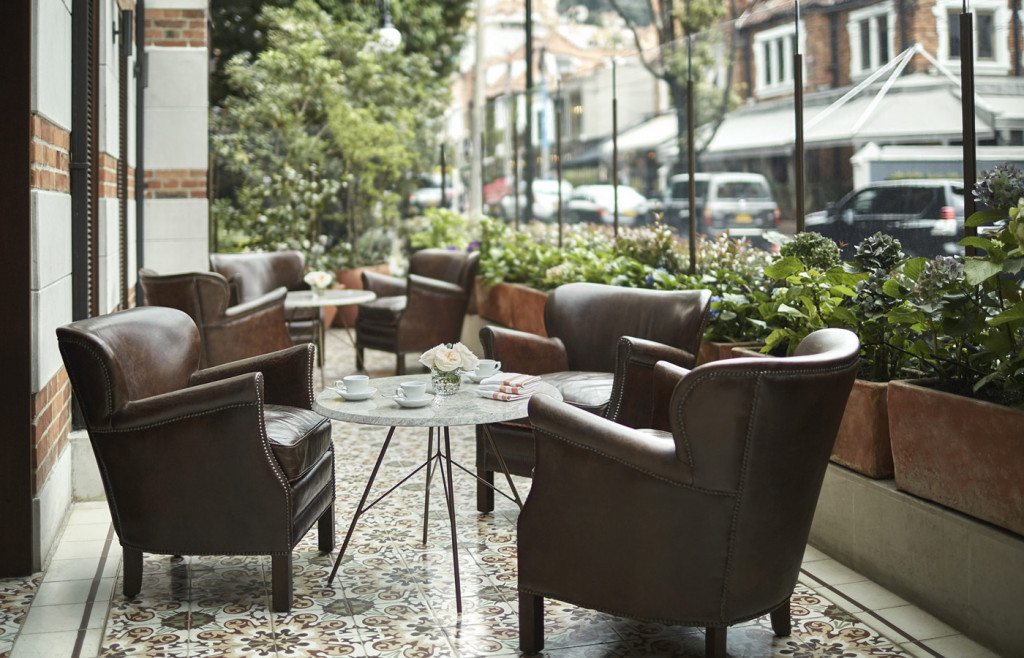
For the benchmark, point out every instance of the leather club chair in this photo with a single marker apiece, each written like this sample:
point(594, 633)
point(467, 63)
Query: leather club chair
point(425, 309)
point(584, 323)
point(252, 275)
point(228, 460)
point(228, 332)
point(701, 519)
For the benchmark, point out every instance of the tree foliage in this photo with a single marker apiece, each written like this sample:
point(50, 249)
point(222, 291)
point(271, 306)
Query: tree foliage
point(325, 123)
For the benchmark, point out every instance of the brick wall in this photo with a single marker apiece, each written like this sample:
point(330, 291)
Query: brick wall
point(50, 156)
point(175, 183)
point(176, 28)
point(108, 176)
point(51, 422)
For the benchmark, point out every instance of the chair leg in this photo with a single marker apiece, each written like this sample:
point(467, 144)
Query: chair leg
point(399, 364)
point(325, 530)
point(484, 494)
point(780, 618)
point(281, 582)
point(360, 359)
point(714, 642)
point(531, 623)
point(132, 571)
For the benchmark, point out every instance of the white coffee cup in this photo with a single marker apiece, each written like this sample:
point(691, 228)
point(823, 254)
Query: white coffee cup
point(487, 367)
point(414, 390)
point(355, 384)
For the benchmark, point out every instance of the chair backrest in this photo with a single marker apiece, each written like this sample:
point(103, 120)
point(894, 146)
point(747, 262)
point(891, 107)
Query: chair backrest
point(590, 318)
point(133, 354)
point(203, 296)
point(256, 274)
point(456, 267)
point(762, 431)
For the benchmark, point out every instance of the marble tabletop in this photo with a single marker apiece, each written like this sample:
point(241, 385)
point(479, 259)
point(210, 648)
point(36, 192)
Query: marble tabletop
point(462, 408)
point(306, 298)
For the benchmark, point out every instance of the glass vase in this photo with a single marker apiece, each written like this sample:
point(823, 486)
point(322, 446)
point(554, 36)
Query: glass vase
point(446, 383)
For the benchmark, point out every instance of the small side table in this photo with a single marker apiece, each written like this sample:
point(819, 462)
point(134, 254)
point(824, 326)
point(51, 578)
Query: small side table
point(462, 408)
point(306, 299)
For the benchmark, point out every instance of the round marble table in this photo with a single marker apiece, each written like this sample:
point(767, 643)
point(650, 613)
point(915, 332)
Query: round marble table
point(463, 408)
point(306, 299)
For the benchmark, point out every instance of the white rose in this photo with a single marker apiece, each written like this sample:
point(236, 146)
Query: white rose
point(428, 358)
point(446, 359)
point(469, 360)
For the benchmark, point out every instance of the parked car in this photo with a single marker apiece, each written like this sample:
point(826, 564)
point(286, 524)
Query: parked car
point(545, 200)
point(925, 215)
point(428, 195)
point(734, 201)
point(595, 204)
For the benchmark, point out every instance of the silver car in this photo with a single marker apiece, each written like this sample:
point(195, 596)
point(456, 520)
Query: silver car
point(734, 201)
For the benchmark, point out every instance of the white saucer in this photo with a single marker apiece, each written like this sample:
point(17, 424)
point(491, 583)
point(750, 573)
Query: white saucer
point(355, 397)
point(476, 379)
point(412, 404)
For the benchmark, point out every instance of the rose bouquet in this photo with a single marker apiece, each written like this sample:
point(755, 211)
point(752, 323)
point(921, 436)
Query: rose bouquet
point(318, 281)
point(447, 362)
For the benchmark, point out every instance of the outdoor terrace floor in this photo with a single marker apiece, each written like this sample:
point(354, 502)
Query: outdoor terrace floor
point(394, 596)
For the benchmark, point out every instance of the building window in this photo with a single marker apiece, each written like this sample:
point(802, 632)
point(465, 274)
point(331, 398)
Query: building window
point(871, 32)
point(991, 48)
point(773, 59)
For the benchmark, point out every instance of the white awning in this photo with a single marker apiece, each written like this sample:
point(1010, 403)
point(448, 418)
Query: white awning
point(646, 136)
point(908, 116)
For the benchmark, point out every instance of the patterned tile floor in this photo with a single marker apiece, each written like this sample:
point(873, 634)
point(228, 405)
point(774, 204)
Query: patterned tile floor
point(394, 596)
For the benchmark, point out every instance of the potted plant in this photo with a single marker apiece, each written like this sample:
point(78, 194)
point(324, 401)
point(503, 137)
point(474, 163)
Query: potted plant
point(956, 436)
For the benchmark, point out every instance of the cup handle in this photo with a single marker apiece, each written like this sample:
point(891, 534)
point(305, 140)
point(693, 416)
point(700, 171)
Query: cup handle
point(497, 366)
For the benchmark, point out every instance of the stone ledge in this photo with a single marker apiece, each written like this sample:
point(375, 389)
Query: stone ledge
point(965, 572)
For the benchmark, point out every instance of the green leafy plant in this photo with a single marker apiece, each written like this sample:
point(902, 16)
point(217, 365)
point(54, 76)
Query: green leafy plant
point(814, 250)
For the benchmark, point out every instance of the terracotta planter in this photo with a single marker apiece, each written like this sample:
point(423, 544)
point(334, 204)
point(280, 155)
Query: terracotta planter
point(710, 351)
point(512, 305)
point(863, 440)
point(963, 453)
point(353, 280)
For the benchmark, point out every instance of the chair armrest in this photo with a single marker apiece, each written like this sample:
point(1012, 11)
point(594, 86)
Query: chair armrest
point(253, 306)
point(520, 351)
point(233, 392)
point(565, 427)
point(425, 284)
point(632, 401)
point(287, 375)
point(383, 285)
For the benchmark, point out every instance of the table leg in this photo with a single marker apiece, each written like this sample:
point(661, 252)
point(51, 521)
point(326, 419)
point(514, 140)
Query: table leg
point(504, 466)
point(426, 493)
point(450, 499)
point(362, 501)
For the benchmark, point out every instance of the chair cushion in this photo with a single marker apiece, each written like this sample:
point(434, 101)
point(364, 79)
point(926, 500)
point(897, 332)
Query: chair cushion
point(585, 389)
point(298, 437)
point(383, 310)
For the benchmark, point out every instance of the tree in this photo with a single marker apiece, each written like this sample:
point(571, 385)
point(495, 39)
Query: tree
point(320, 129)
point(685, 35)
point(432, 28)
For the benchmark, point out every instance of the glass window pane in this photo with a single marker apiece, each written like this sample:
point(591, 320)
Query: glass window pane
point(768, 63)
point(883, 38)
point(781, 59)
point(986, 39)
point(953, 18)
point(865, 44)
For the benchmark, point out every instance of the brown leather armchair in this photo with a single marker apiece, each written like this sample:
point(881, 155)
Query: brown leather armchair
point(252, 275)
point(699, 520)
point(416, 313)
point(584, 323)
point(228, 332)
point(229, 460)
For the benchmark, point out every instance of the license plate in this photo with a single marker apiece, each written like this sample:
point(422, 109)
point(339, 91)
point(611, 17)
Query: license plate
point(629, 213)
point(744, 219)
point(432, 203)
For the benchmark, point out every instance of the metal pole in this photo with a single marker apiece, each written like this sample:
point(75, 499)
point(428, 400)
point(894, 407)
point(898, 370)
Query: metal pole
point(444, 194)
point(691, 156)
point(798, 100)
point(528, 146)
point(967, 107)
point(515, 170)
point(558, 159)
point(615, 152)
point(476, 190)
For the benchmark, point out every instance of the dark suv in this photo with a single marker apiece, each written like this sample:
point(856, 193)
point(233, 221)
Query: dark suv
point(738, 202)
point(926, 216)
